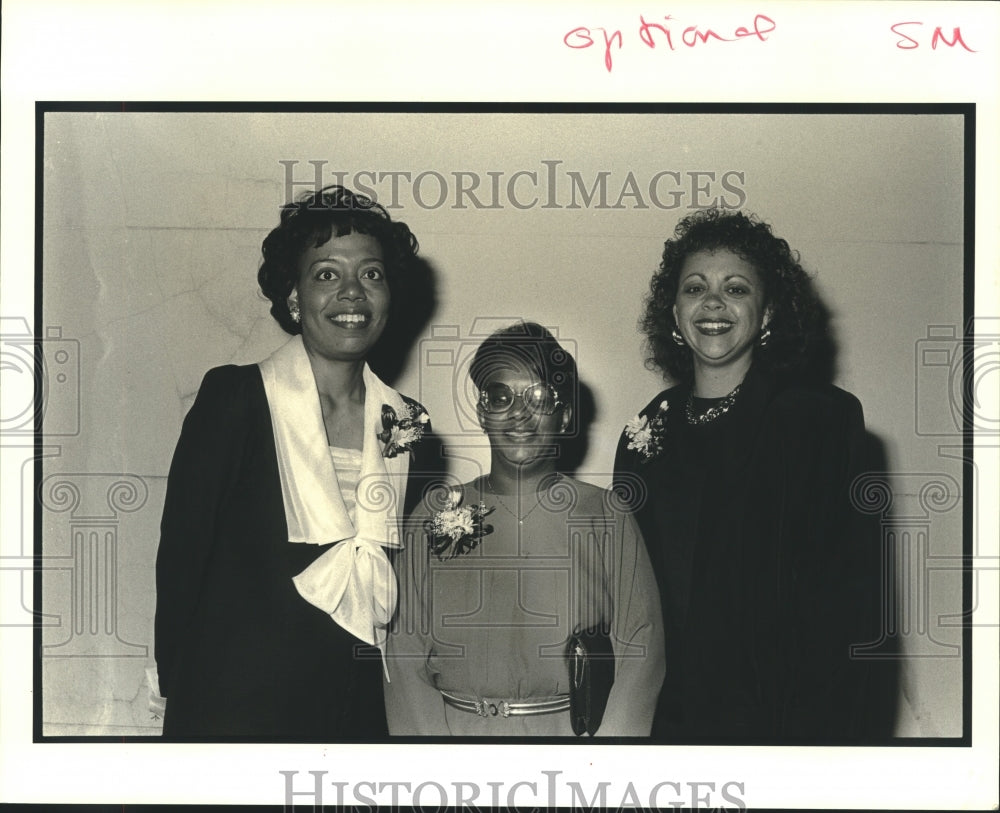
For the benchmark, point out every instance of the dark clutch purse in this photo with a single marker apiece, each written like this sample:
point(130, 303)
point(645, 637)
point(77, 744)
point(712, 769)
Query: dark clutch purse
point(591, 674)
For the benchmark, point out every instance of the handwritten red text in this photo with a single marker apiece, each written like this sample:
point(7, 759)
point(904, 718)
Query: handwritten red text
point(657, 34)
point(909, 42)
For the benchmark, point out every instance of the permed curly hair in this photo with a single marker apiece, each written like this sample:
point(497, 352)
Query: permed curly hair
point(787, 290)
point(333, 211)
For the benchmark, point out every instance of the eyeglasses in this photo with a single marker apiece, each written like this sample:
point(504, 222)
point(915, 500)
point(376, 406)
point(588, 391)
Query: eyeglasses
point(497, 398)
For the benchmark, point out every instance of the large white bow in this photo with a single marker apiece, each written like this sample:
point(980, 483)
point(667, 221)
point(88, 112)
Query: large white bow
point(354, 583)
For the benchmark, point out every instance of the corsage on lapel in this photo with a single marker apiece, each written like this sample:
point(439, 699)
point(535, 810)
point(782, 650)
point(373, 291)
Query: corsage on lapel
point(458, 527)
point(399, 434)
point(645, 434)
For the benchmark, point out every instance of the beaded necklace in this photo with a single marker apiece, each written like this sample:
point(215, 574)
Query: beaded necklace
point(711, 413)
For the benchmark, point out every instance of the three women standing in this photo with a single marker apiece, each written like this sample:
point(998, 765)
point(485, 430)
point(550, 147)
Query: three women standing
point(274, 593)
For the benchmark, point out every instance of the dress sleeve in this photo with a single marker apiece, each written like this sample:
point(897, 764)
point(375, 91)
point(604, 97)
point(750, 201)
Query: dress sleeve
point(412, 705)
point(827, 589)
point(627, 483)
point(651, 442)
point(637, 634)
point(203, 468)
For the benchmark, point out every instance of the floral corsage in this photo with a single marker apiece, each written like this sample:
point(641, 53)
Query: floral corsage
point(458, 527)
point(399, 434)
point(645, 434)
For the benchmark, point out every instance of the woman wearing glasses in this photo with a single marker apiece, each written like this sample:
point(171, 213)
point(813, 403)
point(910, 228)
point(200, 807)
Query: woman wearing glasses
point(499, 573)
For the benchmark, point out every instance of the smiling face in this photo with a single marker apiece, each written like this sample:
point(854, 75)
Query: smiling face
point(720, 311)
point(521, 441)
point(343, 297)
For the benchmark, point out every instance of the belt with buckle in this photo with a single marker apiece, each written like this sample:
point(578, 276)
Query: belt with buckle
point(506, 708)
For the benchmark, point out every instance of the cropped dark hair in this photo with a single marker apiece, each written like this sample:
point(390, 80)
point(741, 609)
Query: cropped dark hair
point(788, 291)
point(534, 346)
point(333, 211)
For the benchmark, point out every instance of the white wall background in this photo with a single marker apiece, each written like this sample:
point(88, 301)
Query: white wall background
point(152, 231)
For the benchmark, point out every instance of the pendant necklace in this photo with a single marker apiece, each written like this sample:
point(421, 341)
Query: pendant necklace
point(519, 517)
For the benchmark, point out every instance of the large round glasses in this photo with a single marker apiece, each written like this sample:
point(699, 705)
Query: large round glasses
point(497, 398)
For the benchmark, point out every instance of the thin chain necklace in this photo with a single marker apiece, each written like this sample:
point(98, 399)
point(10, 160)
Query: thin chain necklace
point(519, 517)
point(711, 413)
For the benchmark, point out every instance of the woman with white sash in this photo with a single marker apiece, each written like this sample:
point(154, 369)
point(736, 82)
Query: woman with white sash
point(274, 589)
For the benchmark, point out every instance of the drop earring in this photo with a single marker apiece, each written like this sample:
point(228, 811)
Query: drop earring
point(765, 335)
point(293, 310)
point(678, 338)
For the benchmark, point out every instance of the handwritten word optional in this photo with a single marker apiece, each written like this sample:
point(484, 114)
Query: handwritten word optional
point(908, 42)
point(655, 35)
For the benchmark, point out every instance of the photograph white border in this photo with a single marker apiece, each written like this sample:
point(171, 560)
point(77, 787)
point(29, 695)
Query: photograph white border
point(451, 52)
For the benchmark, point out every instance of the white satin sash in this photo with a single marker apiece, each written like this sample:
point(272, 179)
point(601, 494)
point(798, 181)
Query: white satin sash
point(353, 581)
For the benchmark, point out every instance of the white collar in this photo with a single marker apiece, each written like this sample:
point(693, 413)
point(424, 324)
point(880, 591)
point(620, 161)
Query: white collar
point(352, 581)
point(314, 509)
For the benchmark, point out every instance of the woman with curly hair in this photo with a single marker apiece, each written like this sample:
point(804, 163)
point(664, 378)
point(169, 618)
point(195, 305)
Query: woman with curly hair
point(273, 588)
point(740, 476)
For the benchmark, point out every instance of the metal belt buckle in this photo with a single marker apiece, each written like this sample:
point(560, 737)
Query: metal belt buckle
point(492, 709)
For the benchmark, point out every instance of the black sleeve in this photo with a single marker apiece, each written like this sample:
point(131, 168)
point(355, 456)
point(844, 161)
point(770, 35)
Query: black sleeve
point(628, 482)
point(204, 467)
point(824, 588)
point(624, 481)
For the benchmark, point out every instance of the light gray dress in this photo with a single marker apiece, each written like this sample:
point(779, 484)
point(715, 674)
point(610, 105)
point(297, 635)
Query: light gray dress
point(492, 624)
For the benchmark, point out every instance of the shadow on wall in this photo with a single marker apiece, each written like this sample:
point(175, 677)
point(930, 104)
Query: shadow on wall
point(412, 311)
point(573, 450)
point(883, 651)
point(821, 354)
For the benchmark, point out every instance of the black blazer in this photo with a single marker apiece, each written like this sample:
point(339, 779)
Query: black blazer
point(239, 653)
point(767, 572)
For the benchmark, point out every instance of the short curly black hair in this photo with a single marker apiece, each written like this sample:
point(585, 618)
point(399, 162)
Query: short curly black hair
point(333, 211)
point(788, 291)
